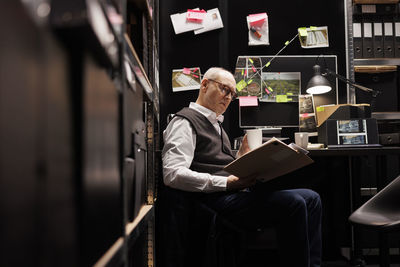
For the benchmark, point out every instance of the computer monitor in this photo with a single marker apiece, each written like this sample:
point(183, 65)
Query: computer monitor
point(287, 76)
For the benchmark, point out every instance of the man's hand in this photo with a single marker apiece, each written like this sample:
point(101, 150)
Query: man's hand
point(244, 147)
point(238, 183)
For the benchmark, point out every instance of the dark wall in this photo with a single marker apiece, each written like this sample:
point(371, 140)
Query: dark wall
point(183, 50)
point(221, 47)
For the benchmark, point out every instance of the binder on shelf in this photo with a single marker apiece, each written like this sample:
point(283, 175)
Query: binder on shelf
point(357, 40)
point(368, 50)
point(397, 39)
point(388, 41)
point(378, 39)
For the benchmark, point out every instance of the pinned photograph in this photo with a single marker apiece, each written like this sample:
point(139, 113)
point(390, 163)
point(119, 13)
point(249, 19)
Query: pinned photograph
point(307, 123)
point(248, 76)
point(306, 104)
point(280, 86)
point(212, 21)
point(314, 37)
point(307, 119)
point(182, 24)
point(186, 79)
point(258, 29)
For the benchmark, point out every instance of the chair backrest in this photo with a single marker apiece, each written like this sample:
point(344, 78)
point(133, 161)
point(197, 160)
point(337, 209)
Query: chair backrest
point(388, 199)
point(382, 210)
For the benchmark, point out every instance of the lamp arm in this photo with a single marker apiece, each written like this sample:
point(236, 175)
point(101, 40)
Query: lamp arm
point(340, 77)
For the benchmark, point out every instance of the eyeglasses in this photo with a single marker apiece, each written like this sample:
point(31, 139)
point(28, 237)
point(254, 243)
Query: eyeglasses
point(225, 89)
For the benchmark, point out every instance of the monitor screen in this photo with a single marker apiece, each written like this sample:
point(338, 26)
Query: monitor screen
point(278, 87)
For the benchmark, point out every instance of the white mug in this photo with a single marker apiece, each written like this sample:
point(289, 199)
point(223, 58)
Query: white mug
point(301, 139)
point(254, 138)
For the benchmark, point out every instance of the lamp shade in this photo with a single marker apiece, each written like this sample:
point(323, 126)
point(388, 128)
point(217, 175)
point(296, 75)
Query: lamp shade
point(318, 84)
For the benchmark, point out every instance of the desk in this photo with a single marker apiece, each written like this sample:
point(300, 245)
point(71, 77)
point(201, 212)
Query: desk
point(354, 179)
point(380, 154)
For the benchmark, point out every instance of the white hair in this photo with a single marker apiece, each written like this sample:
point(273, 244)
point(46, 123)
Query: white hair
point(214, 72)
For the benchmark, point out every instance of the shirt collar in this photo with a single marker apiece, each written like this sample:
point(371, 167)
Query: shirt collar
point(209, 114)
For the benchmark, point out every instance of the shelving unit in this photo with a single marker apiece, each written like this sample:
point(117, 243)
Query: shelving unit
point(145, 68)
point(376, 14)
point(376, 72)
point(371, 12)
point(141, 66)
point(80, 116)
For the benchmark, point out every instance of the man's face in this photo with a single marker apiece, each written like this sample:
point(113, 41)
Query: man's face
point(219, 92)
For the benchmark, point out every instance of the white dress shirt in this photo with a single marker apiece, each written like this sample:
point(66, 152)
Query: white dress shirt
point(178, 153)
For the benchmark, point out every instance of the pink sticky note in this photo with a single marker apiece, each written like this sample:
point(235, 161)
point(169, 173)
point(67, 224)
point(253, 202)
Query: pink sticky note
point(257, 20)
point(186, 71)
point(266, 90)
point(195, 15)
point(248, 101)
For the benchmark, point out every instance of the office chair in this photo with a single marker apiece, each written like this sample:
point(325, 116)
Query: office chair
point(381, 213)
point(196, 234)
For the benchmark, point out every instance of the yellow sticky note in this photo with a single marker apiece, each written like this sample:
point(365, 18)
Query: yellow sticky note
point(242, 72)
point(290, 99)
point(251, 60)
point(281, 98)
point(320, 109)
point(313, 28)
point(266, 65)
point(303, 31)
point(270, 89)
point(240, 85)
point(287, 42)
point(249, 81)
point(289, 93)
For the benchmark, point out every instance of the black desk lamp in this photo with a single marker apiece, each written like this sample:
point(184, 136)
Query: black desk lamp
point(318, 84)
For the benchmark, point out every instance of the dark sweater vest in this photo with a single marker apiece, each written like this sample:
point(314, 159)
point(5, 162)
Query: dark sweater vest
point(213, 151)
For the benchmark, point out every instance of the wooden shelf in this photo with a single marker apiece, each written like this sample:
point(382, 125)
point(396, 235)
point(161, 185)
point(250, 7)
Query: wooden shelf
point(113, 255)
point(136, 227)
point(375, 68)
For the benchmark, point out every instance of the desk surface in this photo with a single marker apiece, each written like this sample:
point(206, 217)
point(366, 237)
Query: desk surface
point(354, 151)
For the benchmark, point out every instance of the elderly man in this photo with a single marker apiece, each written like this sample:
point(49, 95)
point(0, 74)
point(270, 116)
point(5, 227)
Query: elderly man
point(196, 148)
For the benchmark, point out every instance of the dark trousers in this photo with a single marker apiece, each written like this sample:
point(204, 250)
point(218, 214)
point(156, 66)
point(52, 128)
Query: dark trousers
point(294, 213)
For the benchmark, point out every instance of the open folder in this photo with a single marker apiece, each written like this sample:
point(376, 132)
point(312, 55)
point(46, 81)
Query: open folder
point(272, 159)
